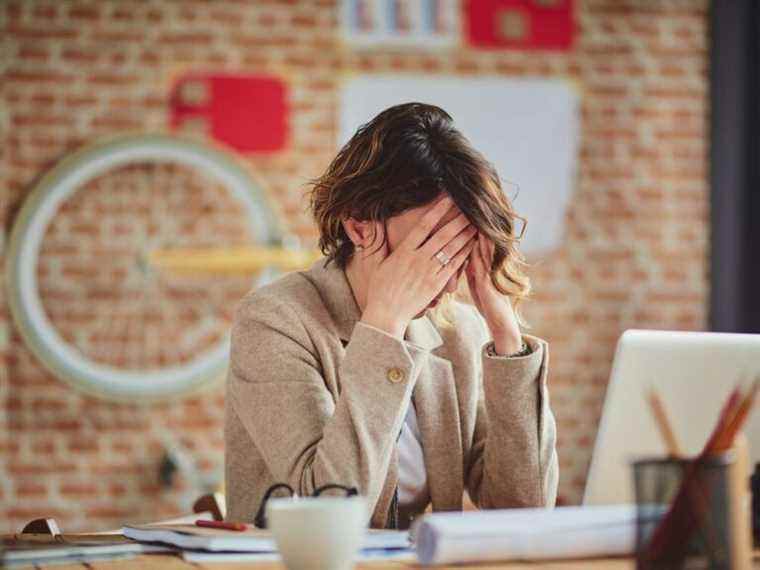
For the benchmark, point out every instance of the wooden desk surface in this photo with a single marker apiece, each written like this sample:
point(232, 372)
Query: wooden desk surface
point(171, 562)
point(164, 562)
point(175, 562)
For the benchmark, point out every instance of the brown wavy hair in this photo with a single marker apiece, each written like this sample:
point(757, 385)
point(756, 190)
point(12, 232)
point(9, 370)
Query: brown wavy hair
point(402, 159)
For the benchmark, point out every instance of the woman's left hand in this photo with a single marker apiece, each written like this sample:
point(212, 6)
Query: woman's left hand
point(493, 305)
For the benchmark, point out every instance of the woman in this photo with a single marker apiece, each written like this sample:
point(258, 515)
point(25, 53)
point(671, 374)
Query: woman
point(363, 372)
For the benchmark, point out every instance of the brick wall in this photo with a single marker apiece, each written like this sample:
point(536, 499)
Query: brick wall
point(635, 252)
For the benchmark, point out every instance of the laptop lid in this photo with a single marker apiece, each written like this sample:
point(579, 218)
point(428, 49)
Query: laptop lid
point(693, 373)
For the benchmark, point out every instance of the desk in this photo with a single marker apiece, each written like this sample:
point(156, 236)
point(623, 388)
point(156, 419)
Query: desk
point(170, 562)
point(164, 562)
point(174, 562)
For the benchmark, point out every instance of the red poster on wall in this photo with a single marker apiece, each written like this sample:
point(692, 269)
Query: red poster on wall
point(520, 24)
point(245, 112)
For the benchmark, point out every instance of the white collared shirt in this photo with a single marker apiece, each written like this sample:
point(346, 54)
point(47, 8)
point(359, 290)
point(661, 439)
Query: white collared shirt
point(412, 477)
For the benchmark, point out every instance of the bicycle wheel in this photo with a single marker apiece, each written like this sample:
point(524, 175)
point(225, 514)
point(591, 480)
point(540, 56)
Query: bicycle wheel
point(81, 290)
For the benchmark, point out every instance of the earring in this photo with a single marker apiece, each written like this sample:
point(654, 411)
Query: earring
point(359, 247)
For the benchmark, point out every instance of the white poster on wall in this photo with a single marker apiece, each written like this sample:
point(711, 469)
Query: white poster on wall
point(528, 128)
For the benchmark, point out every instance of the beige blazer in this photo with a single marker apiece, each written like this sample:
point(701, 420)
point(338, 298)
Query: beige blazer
point(316, 397)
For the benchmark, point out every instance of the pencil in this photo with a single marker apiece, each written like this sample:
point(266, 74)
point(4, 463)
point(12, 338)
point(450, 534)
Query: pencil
point(224, 525)
point(738, 419)
point(663, 424)
point(673, 534)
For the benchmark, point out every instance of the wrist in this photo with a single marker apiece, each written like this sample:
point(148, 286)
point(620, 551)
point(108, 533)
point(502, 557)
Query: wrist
point(503, 325)
point(507, 344)
point(386, 323)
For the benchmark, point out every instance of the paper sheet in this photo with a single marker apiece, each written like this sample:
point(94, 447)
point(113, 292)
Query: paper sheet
point(251, 540)
point(398, 555)
point(526, 534)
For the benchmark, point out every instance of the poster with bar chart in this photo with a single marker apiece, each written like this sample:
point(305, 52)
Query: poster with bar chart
point(406, 23)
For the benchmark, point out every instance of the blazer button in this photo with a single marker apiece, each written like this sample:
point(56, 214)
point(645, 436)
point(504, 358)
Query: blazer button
point(395, 375)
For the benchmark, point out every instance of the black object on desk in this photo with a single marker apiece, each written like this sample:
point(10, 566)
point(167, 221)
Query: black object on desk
point(706, 542)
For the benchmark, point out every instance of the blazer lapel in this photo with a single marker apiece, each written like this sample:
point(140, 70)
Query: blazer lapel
point(435, 401)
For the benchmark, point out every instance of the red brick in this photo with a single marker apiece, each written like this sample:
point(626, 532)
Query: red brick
point(155, 15)
point(466, 66)
point(10, 447)
point(195, 39)
point(41, 404)
point(673, 93)
point(45, 447)
point(257, 41)
point(676, 297)
point(30, 490)
point(107, 512)
point(607, 50)
point(117, 490)
point(115, 79)
point(609, 91)
point(121, 470)
point(80, 101)
point(37, 76)
point(84, 13)
point(645, 30)
point(41, 120)
point(79, 56)
point(26, 514)
point(42, 99)
point(42, 33)
point(635, 70)
point(322, 85)
point(115, 37)
point(124, 447)
point(37, 53)
point(122, 13)
point(696, 134)
point(83, 446)
point(302, 60)
point(116, 123)
point(303, 21)
point(40, 468)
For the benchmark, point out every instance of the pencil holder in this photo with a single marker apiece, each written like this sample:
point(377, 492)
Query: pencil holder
point(690, 513)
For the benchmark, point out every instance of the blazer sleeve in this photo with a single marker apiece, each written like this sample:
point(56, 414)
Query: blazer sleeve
point(513, 462)
point(307, 437)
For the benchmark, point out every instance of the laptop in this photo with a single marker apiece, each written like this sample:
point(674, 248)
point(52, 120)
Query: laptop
point(693, 373)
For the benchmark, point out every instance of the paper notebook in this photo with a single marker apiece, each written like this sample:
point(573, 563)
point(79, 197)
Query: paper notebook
point(251, 540)
point(25, 550)
point(188, 536)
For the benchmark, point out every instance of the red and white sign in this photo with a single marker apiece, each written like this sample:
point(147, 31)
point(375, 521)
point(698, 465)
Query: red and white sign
point(520, 24)
point(246, 112)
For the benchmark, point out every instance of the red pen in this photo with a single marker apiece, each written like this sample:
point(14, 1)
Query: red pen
point(221, 524)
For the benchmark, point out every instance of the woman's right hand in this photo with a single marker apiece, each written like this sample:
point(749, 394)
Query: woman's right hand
point(405, 281)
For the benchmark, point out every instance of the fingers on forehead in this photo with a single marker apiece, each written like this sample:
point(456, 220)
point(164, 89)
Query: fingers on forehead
point(450, 214)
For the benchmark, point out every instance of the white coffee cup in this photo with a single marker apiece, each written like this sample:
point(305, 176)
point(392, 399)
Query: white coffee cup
point(318, 533)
